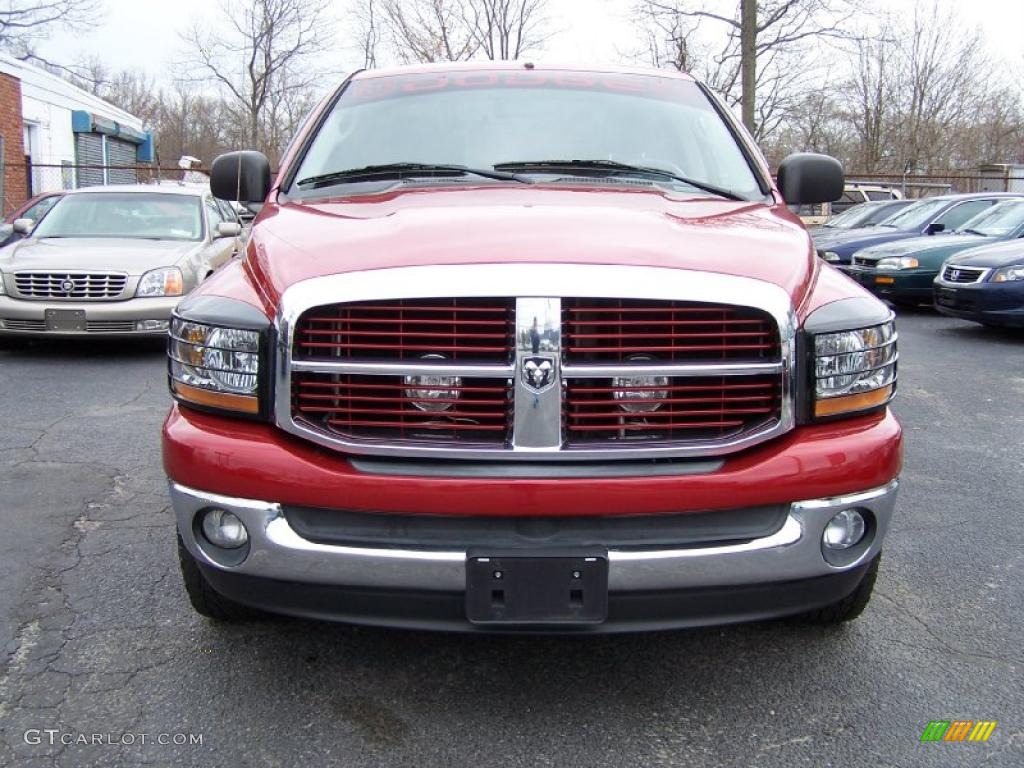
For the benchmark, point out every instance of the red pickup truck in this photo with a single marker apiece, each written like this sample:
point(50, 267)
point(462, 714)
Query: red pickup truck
point(524, 349)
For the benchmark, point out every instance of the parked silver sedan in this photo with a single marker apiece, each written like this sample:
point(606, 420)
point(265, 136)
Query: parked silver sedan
point(113, 260)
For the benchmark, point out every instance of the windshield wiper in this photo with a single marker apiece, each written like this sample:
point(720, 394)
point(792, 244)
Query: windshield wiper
point(405, 170)
point(614, 167)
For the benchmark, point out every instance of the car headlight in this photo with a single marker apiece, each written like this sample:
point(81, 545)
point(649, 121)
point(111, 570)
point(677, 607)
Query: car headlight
point(854, 370)
point(166, 281)
point(897, 262)
point(215, 367)
point(1002, 275)
point(830, 256)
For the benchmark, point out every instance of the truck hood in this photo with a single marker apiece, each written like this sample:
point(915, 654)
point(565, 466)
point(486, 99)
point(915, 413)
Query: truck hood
point(1001, 254)
point(91, 253)
point(529, 225)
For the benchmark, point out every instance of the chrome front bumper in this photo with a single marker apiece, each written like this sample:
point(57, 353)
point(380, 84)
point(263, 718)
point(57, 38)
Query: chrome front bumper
point(20, 317)
point(792, 553)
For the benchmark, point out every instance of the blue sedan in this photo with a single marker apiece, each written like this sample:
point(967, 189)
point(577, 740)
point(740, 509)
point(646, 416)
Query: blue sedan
point(984, 284)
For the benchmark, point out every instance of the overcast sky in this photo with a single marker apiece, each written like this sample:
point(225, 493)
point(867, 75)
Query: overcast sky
point(145, 33)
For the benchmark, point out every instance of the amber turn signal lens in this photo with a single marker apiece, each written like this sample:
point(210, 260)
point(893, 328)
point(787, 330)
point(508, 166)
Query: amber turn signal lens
point(861, 401)
point(173, 283)
point(224, 400)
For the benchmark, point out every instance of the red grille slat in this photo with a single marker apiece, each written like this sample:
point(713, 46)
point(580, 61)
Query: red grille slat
point(668, 416)
point(621, 330)
point(636, 427)
point(407, 330)
point(609, 349)
point(430, 425)
point(399, 347)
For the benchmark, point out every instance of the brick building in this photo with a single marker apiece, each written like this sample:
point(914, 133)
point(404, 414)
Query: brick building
point(57, 136)
point(13, 184)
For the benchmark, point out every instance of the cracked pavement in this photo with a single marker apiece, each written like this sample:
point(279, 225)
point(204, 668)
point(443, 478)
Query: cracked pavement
point(98, 636)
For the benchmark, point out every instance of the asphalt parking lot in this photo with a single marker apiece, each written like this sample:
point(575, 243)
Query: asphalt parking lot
point(99, 638)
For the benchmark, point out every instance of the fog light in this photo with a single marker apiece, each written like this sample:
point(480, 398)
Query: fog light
point(844, 530)
point(433, 393)
point(640, 394)
point(152, 325)
point(224, 529)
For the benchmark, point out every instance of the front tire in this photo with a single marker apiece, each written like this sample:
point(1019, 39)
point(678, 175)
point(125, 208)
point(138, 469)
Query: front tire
point(205, 599)
point(851, 606)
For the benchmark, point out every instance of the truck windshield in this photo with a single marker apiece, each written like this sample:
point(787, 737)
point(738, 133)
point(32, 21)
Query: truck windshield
point(539, 125)
point(124, 215)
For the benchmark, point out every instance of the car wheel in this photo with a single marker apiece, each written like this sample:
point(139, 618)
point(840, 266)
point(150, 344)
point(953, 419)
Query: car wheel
point(205, 599)
point(851, 606)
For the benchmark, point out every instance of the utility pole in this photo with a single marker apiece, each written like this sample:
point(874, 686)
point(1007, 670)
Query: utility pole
point(748, 59)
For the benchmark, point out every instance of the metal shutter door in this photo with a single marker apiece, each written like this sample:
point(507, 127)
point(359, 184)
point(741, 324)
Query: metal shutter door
point(89, 151)
point(121, 158)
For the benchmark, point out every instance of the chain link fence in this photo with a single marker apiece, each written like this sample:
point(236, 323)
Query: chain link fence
point(22, 181)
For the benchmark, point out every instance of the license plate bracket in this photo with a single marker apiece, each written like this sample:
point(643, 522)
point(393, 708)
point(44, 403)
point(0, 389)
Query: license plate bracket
point(537, 588)
point(65, 319)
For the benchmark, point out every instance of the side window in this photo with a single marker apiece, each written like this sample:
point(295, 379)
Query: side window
point(959, 214)
point(879, 194)
point(40, 209)
point(226, 211)
point(848, 200)
point(213, 213)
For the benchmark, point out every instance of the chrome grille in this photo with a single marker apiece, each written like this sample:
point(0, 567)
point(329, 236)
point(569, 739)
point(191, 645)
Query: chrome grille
point(70, 285)
point(481, 377)
point(956, 274)
point(683, 409)
point(389, 407)
point(621, 330)
point(467, 329)
point(110, 326)
point(24, 325)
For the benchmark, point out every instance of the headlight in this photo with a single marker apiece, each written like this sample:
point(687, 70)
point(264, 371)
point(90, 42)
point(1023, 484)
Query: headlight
point(215, 367)
point(897, 262)
point(166, 281)
point(830, 256)
point(854, 370)
point(1003, 275)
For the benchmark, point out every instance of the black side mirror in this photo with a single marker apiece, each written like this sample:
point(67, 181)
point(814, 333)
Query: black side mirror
point(805, 178)
point(242, 176)
point(935, 227)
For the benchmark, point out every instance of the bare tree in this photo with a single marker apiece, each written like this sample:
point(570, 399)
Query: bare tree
point(25, 22)
point(506, 29)
point(369, 25)
point(762, 35)
point(429, 30)
point(263, 56)
point(457, 30)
